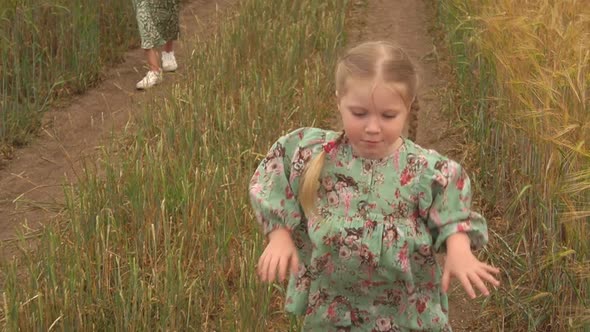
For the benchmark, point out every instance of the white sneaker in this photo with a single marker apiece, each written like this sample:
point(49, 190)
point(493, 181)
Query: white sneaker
point(169, 61)
point(151, 78)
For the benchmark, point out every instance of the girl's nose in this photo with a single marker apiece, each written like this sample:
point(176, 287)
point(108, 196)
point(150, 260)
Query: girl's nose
point(372, 126)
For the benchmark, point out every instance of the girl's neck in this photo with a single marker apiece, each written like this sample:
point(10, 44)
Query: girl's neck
point(395, 148)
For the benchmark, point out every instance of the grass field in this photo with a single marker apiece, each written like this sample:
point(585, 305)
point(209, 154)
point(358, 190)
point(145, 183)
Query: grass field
point(159, 234)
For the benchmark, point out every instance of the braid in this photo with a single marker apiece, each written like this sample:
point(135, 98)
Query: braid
point(413, 130)
point(309, 183)
point(340, 138)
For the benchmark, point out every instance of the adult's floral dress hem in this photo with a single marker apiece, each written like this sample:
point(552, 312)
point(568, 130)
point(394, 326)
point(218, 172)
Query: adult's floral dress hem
point(157, 21)
point(367, 257)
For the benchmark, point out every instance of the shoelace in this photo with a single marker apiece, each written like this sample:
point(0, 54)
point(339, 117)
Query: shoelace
point(151, 76)
point(167, 56)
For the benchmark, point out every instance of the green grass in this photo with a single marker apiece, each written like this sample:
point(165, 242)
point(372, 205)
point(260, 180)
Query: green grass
point(164, 238)
point(55, 48)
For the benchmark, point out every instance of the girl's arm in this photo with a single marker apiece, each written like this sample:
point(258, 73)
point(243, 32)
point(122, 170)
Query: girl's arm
point(455, 228)
point(276, 208)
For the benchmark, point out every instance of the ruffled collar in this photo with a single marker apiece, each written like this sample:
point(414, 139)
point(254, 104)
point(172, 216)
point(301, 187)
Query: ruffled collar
point(343, 142)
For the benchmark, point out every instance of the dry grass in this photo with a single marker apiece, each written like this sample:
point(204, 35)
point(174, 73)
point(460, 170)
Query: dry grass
point(524, 83)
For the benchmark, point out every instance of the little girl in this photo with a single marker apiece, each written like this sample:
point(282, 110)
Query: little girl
point(358, 215)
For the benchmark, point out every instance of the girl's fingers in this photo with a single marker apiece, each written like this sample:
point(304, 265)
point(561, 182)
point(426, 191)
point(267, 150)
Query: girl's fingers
point(446, 279)
point(294, 263)
point(260, 264)
point(467, 286)
point(491, 269)
point(283, 266)
point(262, 267)
point(489, 278)
point(267, 269)
point(272, 268)
point(476, 280)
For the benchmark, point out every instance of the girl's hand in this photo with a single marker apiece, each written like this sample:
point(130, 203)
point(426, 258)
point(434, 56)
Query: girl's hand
point(281, 254)
point(462, 264)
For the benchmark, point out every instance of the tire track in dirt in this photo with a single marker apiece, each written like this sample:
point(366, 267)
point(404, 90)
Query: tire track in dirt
point(408, 23)
point(31, 183)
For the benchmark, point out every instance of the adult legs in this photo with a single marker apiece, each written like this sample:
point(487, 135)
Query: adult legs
point(169, 46)
point(152, 59)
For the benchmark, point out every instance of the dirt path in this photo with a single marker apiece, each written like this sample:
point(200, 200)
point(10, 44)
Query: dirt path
point(31, 184)
point(407, 22)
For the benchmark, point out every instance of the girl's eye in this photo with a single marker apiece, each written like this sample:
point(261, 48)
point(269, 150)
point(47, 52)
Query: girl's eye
point(358, 114)
point(390, 116)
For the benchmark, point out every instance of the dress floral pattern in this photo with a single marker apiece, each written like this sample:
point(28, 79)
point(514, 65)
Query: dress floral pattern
point(157, 21)
point(367, 258)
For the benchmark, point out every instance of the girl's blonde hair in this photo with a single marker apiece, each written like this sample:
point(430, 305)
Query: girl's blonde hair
point(369, 60)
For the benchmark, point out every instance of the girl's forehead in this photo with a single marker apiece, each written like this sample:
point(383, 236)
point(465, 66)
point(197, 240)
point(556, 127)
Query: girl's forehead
point(371, 88)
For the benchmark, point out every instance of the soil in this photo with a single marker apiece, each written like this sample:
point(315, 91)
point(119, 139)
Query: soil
point(31, 184)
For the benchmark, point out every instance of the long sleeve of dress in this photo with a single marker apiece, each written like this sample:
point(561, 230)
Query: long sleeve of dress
point(272, 194)
point(446, 204)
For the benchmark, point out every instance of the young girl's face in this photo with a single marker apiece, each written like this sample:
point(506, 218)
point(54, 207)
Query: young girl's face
point(374, 114)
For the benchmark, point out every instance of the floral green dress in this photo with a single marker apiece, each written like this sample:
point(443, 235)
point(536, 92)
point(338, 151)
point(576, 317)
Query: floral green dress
point(367, 258)
point(157, 21)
